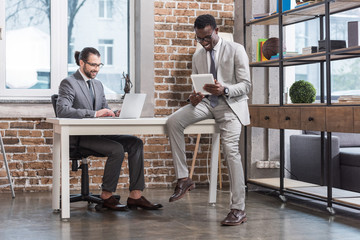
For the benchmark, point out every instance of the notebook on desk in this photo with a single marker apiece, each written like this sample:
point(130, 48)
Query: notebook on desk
point(132, 105)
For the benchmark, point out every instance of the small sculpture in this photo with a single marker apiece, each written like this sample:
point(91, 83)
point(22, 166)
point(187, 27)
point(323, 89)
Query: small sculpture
point(128, 83)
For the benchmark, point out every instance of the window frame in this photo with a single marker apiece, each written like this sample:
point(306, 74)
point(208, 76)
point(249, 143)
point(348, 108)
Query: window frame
point(58, 54)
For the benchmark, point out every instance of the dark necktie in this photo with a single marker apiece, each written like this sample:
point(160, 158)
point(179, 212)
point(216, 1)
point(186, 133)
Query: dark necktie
point(213, 99)
point(91, 93)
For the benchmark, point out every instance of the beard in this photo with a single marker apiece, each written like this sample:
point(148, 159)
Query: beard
point(90, 74)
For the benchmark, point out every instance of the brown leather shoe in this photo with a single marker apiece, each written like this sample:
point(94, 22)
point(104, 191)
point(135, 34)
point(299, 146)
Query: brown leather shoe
point(183, 185)
point(234, 217)
point(114, 204)
point(142, 203)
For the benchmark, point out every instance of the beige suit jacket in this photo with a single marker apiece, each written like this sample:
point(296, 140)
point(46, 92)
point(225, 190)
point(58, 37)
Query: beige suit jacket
point(233, 72)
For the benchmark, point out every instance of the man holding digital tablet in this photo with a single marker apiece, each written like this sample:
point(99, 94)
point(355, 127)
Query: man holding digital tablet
point(226, 103)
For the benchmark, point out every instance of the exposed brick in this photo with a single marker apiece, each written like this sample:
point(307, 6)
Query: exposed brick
point(38, 165)
point(25, 157)
point(11, 133)
point(182, 20)
point(193, 5)
point(163, 27)
point(47, 133)
point(10, 141)
point(169, 65)
point(217, 7)
point(171, 49)
point(32, 141)
point(14, 149)
point(44, 125)
point(205, 6)
point(162, 11)
point(39, 149)
point(26, 125)
point(184, 12)
point(170, 5)
point(158, 41)
point(162, 72)
point(161, 88)
point(226, 1)
point(161, 57)
point(228, 8)
point(182, 5)
point(159, 34)
point(226, 14)
point(45, 156)
point(159, 49)
point(180, 72)
point(181, 57)
point(4, 125)
point(182, 28)
point(158, 4)
point(171, 19)
point(170, 34)
point(159, 19)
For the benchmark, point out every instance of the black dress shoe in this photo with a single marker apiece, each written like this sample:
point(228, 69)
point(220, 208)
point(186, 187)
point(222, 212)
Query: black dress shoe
point(114, 204)
point(234, 217)
point(182, 186)
point(142, 203)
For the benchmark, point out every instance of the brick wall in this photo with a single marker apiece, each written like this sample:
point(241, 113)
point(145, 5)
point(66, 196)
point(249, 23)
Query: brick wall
point(28, 142)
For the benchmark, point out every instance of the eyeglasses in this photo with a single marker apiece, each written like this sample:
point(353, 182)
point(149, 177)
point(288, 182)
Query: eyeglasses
point(206, 39)
point(100, 65)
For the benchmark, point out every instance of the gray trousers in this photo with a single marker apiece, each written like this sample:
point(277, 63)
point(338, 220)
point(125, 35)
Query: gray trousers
point(114, 147)
point(230, 130)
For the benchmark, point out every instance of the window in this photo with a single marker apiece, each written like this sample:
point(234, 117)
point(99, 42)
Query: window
point(106, 51)
point(105, 8)
point(344, 73)
point(40, 38)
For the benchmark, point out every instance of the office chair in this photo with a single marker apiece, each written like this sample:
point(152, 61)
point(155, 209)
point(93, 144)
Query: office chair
point(77, 153)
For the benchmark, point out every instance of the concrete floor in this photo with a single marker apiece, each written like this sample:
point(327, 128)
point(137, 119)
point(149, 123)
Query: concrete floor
point(29, 216)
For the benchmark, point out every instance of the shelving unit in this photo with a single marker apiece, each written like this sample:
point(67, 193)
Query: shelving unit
point(277, 116)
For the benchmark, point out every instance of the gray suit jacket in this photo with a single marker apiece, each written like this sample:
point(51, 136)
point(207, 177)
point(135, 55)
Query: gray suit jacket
point(233, 72)
point(74, 98)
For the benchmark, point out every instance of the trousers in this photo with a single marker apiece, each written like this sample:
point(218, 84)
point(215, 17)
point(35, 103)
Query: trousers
point(230, 131)
point(114, 148)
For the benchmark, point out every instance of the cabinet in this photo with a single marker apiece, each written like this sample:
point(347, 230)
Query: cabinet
point(325, 116)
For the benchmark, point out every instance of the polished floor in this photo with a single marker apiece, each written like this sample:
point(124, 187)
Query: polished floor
point(29, 216)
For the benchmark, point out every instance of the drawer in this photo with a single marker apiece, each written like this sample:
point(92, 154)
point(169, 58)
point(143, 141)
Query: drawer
point(313, 118)
point(339, 119)
point(289, 118)
point(357, 119)
point(268, 117)
point(254, 116)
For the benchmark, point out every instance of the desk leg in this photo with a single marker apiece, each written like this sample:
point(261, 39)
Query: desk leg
point(214, 167)
point(56, 174)
point(65, 192)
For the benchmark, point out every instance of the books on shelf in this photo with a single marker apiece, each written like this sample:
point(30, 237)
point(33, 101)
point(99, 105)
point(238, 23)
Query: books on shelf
point(286, 5)
point(259, 54)
point(304, 4)
point(285, 54)
point(260, 15)
point(349, 99)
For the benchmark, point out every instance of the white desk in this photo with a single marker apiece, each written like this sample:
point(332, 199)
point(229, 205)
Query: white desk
point(65, 127)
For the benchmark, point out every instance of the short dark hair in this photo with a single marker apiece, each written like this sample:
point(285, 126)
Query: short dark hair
point(204, 20)
point(84, 54)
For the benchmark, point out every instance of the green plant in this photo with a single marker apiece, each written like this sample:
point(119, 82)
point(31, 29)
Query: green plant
point(302, 92)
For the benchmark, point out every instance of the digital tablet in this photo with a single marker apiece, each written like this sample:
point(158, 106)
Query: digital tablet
point(199, 80)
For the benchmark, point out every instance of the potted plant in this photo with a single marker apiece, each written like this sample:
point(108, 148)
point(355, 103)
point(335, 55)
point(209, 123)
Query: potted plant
point(302, 92)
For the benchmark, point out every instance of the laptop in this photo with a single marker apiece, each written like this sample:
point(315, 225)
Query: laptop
point(132, 105)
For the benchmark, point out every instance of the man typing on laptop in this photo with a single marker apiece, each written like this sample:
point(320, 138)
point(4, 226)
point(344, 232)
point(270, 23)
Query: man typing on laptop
point(82, 96)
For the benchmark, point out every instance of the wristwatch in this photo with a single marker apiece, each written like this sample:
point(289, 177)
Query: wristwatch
point(226, 91)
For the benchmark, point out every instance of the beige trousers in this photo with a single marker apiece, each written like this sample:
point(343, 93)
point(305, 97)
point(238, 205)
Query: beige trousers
point(230, 130)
